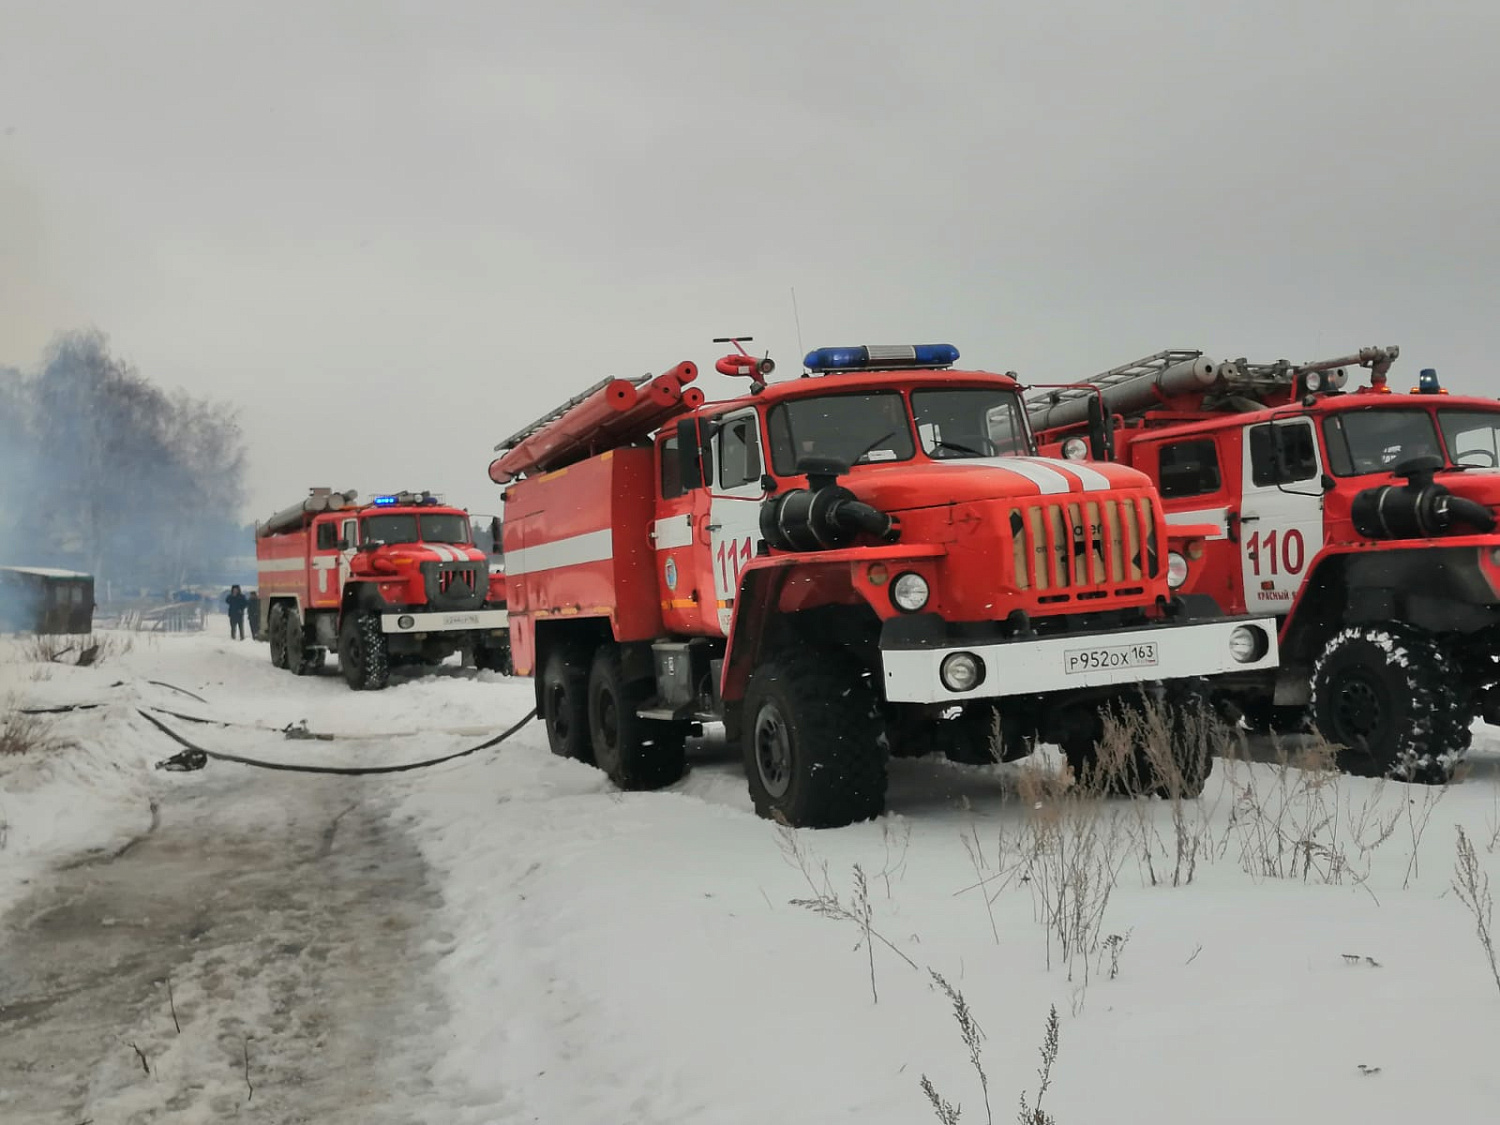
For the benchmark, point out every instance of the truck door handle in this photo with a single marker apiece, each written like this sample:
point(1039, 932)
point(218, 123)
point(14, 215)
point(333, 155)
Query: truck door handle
point(712, 526)
point(1249, 519)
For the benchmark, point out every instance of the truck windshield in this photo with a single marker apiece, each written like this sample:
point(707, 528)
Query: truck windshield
point(969, 422)
point(857, 429)
point(1473, 436)
point(439, 527)
point(445, 527)
point(1376, 440)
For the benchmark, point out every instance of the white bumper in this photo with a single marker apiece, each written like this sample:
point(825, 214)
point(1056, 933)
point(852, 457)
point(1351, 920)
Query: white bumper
point(444, 622)
point(1084, 660)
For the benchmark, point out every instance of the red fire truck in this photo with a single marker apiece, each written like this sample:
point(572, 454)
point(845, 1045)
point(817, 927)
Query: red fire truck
point(1362, 518)
point(394, 581)
point(862, 561)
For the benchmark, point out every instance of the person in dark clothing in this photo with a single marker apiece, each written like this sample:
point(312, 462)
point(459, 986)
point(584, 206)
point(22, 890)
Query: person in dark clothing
point(237, 603)
point(252, 611)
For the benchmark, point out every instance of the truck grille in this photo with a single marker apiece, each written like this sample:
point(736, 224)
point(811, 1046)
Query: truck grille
point(1083, 547)
point(455, 585)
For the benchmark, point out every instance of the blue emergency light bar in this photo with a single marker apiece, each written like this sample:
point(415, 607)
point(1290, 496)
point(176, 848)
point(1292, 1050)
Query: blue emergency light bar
point(881, 357)
point(410, 499)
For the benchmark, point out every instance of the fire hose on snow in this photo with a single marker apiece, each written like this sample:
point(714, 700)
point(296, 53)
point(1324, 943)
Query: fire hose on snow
point(195, 757)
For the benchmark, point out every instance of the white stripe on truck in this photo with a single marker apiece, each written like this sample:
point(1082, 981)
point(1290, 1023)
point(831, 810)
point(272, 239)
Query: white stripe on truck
point(590, 547)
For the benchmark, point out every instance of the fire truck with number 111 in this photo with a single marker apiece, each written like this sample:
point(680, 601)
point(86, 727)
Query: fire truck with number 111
point(866, 560)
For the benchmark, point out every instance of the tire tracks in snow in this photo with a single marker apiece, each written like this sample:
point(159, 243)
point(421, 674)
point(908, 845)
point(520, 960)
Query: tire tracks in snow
point(295, 922)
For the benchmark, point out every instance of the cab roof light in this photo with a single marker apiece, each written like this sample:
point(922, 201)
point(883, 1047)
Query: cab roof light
point(881, 357)
point(411, 499)
point(1427, 383)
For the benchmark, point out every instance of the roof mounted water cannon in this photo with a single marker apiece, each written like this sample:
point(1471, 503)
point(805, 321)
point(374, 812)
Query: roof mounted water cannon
point(741, 364)
point(880, 357)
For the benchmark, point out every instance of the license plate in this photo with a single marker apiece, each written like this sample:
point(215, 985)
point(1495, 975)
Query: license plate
point(452, 619)
point(1106, 657)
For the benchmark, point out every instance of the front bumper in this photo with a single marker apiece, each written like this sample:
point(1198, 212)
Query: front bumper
point(441, 622)
point(1037, 665)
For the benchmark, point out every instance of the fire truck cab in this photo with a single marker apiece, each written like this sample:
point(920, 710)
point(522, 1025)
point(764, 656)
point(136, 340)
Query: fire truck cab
point(866, 560)
point(395, 581)
point(1362, 518)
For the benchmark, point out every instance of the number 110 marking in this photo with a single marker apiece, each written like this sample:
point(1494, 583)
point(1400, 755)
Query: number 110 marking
point(1292, 556)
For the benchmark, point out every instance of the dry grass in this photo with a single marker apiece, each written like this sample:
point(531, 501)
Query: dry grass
point(1472, 885)
point(24, 734)
point(1301, 818)
point(84, 651)
point(826, 902)
point(1031, 1111)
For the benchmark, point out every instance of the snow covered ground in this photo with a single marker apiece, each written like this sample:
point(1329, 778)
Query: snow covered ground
point(505, 938)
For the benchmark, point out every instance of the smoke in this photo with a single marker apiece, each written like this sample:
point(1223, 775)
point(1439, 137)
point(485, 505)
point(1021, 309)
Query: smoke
point(102, 471)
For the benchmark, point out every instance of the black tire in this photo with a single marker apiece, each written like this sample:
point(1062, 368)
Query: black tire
point(565, 709)
point(299, 657)
point(968, 738)
point(1264, 717)
point(1195, 731)
point(364, 655)
point(814, 755)
point(494, 657)
point(636, 753)
point(276, 635)
point(1385, 697)
point(1180, 728)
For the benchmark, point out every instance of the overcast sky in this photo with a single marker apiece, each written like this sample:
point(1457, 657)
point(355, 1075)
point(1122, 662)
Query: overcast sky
point(394, 233)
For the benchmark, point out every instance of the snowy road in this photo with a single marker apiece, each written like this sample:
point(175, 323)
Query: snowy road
point(296, 923)
point(506, 939)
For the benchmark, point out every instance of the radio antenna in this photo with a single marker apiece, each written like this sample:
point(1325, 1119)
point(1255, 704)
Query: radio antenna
point(798, 319)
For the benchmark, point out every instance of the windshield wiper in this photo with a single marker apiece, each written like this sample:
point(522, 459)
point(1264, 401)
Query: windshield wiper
point(866, 450)
point(940, 444)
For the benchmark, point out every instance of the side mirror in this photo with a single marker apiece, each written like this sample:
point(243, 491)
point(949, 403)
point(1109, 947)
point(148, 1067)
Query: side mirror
point(1101, 435)
point(343, 545)
point(692, 458)
point(496, 547)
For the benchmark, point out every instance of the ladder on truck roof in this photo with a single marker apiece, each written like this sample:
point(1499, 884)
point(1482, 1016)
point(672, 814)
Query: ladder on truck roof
point(551, 416)
point(1151, 365)
point(1132, 389)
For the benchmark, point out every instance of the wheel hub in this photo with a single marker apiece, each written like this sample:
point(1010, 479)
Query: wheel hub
point(558, 711)
point(773, 752)
point(1359, 711)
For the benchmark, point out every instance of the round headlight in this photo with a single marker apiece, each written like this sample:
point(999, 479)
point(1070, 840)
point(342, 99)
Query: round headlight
point(1248, 644)
point(1314, 380)
point(1177, 569)
point(406, 621)
point(1075, 449)
point(909, 592)
point(961, 671)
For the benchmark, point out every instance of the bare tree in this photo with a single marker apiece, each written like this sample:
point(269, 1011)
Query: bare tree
point(139, 487)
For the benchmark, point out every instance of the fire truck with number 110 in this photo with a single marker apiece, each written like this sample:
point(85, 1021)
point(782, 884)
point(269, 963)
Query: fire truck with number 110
point(1363, 518)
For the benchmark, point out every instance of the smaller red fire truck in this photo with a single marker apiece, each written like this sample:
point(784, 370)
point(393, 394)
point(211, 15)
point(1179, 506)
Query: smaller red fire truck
point(1363, 518)
point(394, 581)
point(868, 560)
